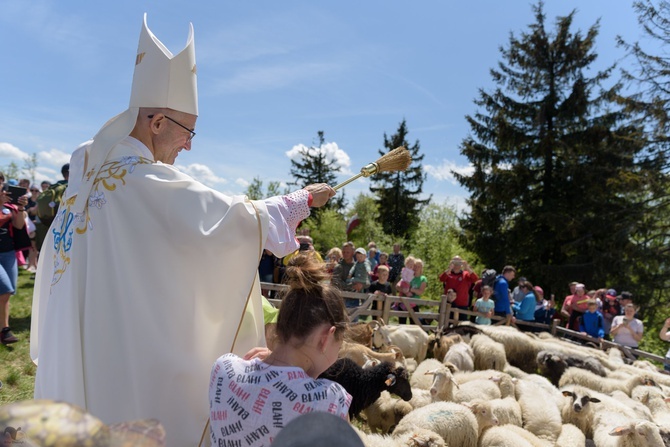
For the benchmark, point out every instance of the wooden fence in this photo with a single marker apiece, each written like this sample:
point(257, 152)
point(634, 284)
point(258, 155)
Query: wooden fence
point(442, 312)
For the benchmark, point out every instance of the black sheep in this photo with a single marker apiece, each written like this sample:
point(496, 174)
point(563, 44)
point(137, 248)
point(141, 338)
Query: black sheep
point(553, 364)
point(366, 385)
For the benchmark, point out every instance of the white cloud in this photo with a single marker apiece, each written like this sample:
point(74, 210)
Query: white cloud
point(332, 152)
point(54, 157)
point(8, 150)
point(203, 174)
point(242, 182)
point(446, 171)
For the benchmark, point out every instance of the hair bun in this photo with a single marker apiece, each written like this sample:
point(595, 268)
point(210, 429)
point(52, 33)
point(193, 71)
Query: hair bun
point(305, 272)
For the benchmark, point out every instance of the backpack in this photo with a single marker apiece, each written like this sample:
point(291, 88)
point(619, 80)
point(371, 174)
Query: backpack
point(48, 202)
point(489, 277)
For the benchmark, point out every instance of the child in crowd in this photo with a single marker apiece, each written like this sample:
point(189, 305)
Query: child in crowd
point(484, 306)
point(372, 258)
point(359, 275)
point(381, 287)
point(251, 399)
point(592, 323)
point(406, 276)
point(383, 260)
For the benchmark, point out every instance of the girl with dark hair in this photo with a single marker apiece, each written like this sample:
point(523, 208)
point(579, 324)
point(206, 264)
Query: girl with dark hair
point(252, 399)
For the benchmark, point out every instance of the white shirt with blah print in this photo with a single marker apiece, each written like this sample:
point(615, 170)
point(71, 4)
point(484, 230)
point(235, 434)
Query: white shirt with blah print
point(251, 401)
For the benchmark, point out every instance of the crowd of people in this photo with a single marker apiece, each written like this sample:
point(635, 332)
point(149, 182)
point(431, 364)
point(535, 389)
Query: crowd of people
point(21, 236)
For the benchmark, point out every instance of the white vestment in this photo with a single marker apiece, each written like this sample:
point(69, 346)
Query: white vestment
point(136, 298)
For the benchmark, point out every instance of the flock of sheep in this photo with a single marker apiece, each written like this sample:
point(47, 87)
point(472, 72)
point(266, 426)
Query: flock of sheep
point(497, 386)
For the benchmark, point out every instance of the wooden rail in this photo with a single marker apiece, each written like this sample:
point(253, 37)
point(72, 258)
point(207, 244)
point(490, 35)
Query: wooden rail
point(445, 315)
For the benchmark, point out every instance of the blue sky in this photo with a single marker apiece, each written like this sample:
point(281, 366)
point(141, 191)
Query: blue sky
point(271, 74)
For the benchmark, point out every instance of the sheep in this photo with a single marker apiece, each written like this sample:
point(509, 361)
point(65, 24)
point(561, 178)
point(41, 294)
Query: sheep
point(553, 364)
point(616, 358)
point(483, 389)
point(386, 412)
point(360, 333)
point(616, 430)
point(366, 385)
point(419, 378)
point(656, 402)
point(489, 354)
point(412, 340)
point(605, 385)
point(645, 364)
point(459, 425)
point(460, 355)
point(521, 349)
point(539, 416)
point(506, 409)
point(361, 354)
point(438, 345)
point(638, 407)
point(570, 436)
point(416, 438)
point(510, 436)
point(578, 409)
point(443, 384)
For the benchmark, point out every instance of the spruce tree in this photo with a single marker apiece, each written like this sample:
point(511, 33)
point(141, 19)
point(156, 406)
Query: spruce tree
point(315, 167)
point(398, 193)
point(558, 165)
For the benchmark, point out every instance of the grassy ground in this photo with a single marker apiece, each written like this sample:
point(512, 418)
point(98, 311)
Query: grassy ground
point(17, 371)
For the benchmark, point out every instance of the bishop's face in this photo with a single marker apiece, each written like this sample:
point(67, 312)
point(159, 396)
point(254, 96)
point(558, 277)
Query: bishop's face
point(174, 136)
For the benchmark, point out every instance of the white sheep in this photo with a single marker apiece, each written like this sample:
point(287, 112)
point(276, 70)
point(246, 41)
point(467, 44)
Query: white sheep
point(612, 429)
point(570, 436)
point(605, 385)
point(419, 377)
point(386, 412)
point(459, 425)
point(510, 436)
point(489, 354)
point(520, 349)
point(656, 402)
point(415, 438)
point(483, 389)
point(411, 339)
point(506, 409)
point(640, 409)
point(441, 388)
point(539, 413)
point(461, 356)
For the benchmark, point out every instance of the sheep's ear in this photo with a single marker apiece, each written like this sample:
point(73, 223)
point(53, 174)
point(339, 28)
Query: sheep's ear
point(649, 381)
point(495, 379)
point(620, 431)
point(594, 400)
point(430, 373)
point(451, 367)
point(568, 393)
point(390, 380)
point(667, 399)
point(455, 383)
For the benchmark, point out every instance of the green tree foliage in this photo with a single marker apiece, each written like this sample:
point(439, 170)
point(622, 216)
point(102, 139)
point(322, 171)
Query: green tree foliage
point(329, 232)
point(650, 261)
point(11, 171)
point(437, 241)
point(314, 166)
point(369, 228)
point(398, 192)
point(255, 190)
point(559, 169)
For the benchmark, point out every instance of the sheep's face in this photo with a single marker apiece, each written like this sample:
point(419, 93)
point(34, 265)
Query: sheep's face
point(442, 378)
point(399, 384)
point(580, 402)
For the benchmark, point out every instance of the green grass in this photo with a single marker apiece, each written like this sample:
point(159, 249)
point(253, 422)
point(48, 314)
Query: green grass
point(17, 371)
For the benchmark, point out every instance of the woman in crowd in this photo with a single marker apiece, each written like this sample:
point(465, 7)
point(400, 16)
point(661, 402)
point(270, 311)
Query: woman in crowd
point(12, 219)
point(626, 329)
point(525, 310)
point(332, 259)
point(252, 398)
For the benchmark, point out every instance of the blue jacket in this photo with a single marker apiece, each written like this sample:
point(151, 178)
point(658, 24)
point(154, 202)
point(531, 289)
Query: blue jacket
point(525, 310)
point(592, 323)
point(501, 295)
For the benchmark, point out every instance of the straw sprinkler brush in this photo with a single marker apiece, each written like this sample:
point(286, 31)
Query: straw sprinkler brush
point(396, 160)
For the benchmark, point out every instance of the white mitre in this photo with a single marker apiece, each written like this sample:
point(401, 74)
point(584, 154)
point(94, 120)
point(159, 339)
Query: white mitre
point(161, 80)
